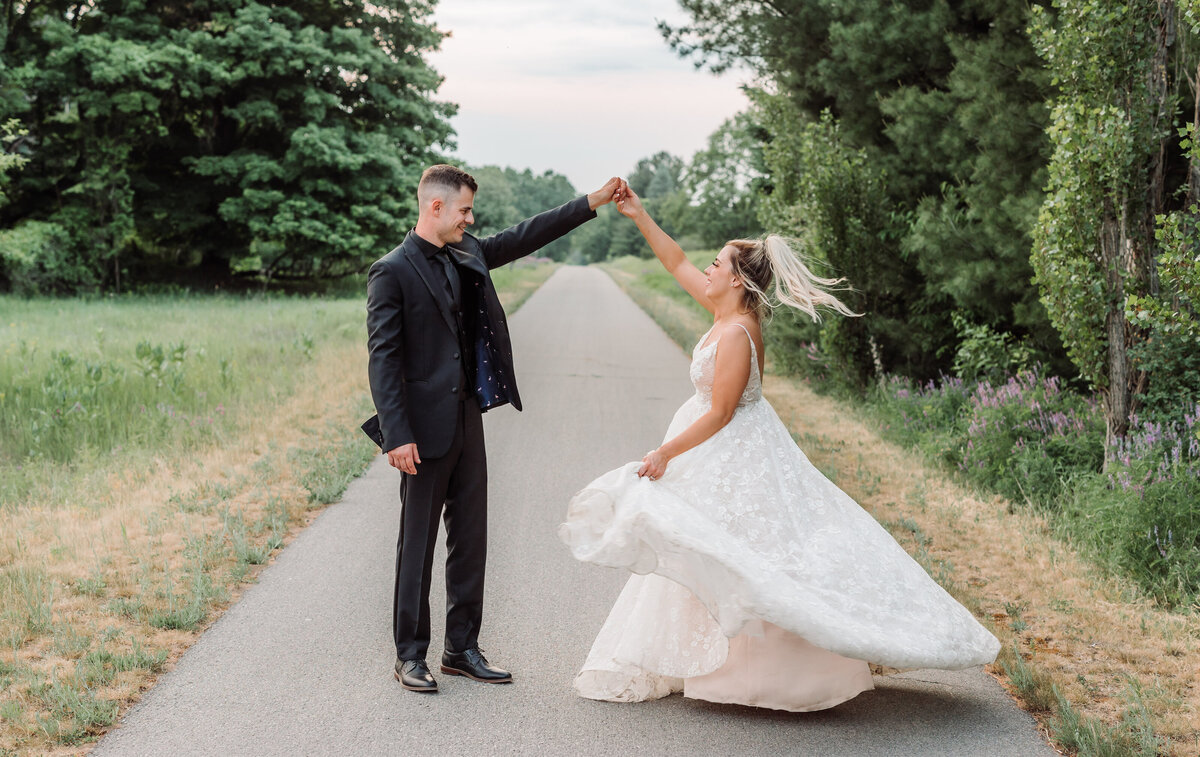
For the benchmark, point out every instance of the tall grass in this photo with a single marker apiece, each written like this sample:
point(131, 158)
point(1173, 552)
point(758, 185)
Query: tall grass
point(90, 383)
point(153, 452)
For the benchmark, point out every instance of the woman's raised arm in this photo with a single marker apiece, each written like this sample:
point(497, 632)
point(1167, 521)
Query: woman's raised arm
point(669, 253)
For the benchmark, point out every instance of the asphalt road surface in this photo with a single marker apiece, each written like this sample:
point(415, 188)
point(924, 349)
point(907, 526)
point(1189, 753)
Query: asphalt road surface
point(302, 664)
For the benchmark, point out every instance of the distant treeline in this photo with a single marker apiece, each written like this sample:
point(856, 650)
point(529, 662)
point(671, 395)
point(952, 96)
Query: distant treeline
point(703, 203)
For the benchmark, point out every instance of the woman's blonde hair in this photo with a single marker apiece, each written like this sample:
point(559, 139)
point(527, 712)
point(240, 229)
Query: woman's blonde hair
point(758, 262)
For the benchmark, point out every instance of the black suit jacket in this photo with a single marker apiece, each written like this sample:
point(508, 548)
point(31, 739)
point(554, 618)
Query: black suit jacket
point(415, 360)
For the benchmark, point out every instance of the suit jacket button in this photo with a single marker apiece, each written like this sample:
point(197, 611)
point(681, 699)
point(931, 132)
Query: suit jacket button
point(456, 356)
point(453, 389)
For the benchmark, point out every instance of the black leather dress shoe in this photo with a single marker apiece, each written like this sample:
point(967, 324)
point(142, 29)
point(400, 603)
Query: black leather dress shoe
point(472, 664)
point(414, 675)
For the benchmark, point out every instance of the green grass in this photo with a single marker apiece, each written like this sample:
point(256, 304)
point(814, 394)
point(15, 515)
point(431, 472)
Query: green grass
point(328, 466)
point(90, 384)
point(1133, 736)
point(102, 666)
point(1088, 737)
point(656, 291)
point(98, 400)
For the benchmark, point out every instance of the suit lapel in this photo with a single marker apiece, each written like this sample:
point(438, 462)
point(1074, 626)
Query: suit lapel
point(422, 266)
point(467, 260)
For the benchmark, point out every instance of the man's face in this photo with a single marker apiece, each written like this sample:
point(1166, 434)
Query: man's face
point(455, 216)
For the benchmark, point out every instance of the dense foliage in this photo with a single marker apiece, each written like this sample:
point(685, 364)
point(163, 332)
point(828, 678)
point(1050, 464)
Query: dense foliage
point(945, 103)
point(1113, 175)
point(507, 196)
point(657, 179)
point(827, 191)
point(200, 139)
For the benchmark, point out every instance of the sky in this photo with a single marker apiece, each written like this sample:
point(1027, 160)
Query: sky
point(580, 87)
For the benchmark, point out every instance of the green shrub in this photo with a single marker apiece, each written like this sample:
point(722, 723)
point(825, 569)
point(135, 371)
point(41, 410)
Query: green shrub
point(1030, 440)
point(1142, 516)
point(40, 258)
point(1026, 437)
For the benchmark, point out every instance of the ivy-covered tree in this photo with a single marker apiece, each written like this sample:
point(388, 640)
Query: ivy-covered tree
point(1171, 318)
point(1111, 177)
point(171, 138)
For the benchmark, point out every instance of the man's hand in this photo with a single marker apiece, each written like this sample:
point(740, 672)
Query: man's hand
point(605, 194)
point(405, 458)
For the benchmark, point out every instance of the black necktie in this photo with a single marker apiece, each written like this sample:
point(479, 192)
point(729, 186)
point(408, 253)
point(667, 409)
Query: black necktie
point(451, 280)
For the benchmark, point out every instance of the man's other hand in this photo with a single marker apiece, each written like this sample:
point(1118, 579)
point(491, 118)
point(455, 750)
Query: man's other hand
point(405, 458)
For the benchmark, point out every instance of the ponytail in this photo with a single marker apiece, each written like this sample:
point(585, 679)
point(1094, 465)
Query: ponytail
point(758, 262)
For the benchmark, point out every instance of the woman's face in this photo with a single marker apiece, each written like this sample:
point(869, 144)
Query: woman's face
point(720, 276)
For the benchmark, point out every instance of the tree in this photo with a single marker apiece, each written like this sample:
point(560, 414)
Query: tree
point(946, 99)
point(1111, 129)
point(175, 137)
point(496, 201)
point(826, 193)
point(1170, 356)
point(726, 179)
point(658, 180)
point(11, 159)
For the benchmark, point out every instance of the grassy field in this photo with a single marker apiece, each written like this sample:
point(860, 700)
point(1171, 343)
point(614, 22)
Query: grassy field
point(1104, 669)
point(154, 453)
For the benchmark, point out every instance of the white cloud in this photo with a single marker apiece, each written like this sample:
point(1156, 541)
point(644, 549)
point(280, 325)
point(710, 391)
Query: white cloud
point(583, 88)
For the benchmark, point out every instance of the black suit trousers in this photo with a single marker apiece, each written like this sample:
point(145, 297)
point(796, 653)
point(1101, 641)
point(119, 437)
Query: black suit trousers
point(455, 485)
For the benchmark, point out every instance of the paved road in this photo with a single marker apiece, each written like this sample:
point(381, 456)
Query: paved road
point(303, 663)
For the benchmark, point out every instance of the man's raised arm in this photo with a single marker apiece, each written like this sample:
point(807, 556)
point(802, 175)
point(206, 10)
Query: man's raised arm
point(534, 233)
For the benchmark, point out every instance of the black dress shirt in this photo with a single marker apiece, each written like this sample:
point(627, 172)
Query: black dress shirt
point(451, 280)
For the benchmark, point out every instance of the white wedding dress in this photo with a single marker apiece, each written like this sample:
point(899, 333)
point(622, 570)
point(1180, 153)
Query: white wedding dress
point(757, 581)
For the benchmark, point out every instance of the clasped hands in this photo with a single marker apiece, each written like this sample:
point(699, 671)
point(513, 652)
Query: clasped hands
point(617, 190)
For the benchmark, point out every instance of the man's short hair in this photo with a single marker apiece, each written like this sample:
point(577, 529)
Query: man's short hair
point(441, 177)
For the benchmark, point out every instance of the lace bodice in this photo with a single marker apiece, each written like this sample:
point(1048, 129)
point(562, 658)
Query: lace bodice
point(704, 363)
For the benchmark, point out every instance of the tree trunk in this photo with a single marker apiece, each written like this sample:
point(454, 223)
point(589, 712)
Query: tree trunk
point(877, 361)
point(1114, 257)
point(1127, 243)
point(1193, 185)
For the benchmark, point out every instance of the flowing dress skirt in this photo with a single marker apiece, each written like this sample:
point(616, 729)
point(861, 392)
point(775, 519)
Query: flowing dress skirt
point(757, 581)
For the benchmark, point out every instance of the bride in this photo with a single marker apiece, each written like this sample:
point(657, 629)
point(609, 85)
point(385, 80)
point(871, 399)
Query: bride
point(755, 579)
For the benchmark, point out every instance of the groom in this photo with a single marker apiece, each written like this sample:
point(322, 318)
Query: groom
point(440, 356)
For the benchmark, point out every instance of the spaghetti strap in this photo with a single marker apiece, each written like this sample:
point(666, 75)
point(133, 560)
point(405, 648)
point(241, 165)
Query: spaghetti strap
point(743, 328)
point(704, 343)
point(753, 349)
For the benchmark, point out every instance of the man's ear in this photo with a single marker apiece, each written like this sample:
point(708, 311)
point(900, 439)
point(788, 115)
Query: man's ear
point(435, 206)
